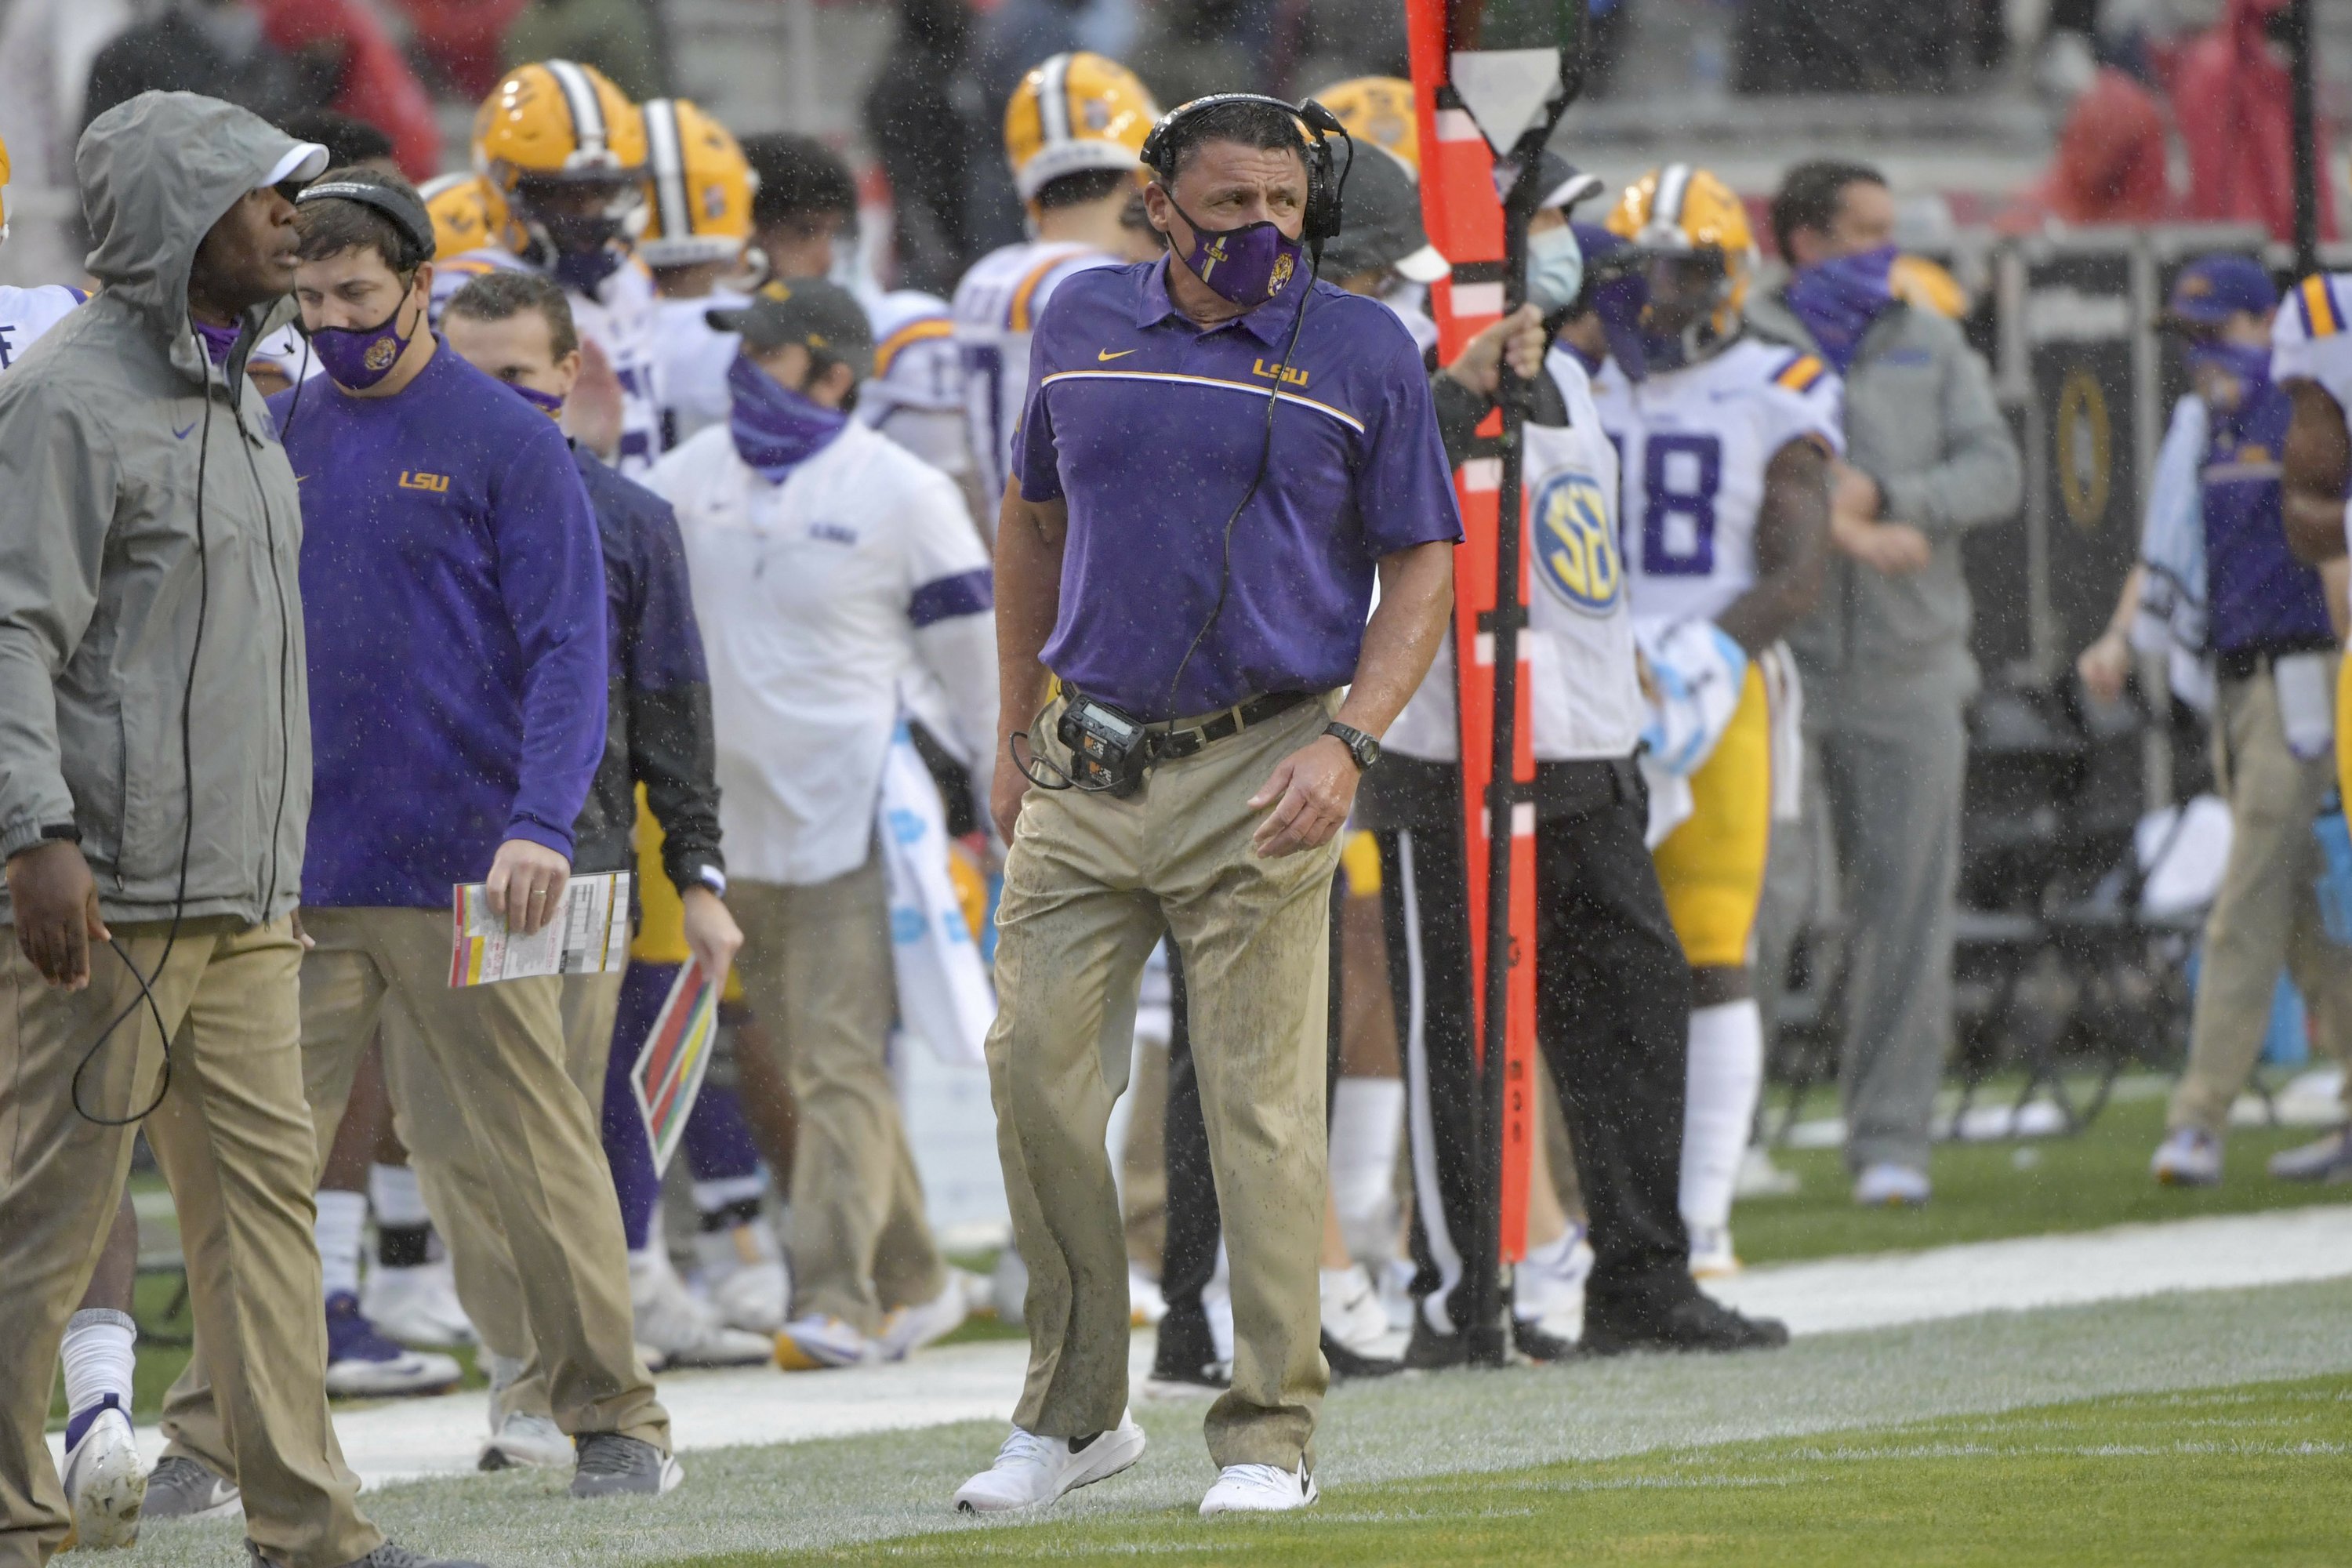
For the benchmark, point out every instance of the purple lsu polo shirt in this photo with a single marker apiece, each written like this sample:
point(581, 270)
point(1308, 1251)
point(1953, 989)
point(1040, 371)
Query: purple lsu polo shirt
point(1152, 428)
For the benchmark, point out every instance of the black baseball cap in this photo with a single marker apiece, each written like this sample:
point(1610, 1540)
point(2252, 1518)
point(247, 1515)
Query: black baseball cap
point(1379, 222)
point(821, 316)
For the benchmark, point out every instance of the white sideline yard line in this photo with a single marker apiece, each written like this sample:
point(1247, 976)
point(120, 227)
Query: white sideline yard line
point(1880, 1291)
point(408, 1439)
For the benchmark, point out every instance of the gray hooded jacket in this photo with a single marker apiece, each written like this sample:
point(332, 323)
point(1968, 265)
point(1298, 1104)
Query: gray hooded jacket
point(1921, 420)
point(150, 552)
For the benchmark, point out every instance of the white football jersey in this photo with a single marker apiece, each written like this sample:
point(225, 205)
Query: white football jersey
point(1584, 687)
point(916, 393)
point(2311, 337)
point(619, 319)
point(1692, 446)
point(691, 357)
point(26, 313)
point(996, 305)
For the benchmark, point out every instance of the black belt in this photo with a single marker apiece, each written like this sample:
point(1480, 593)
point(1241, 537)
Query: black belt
point(1167, 744)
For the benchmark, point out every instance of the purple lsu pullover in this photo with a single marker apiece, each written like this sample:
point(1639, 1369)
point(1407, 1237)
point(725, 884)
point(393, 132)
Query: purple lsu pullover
point(452, 593)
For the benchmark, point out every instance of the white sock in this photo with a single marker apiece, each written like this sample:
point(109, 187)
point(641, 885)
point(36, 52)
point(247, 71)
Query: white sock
point(397, 1197)
point(339, 1230)
point(1726, 1074)
point(101, 1348)
point(1367, 1120)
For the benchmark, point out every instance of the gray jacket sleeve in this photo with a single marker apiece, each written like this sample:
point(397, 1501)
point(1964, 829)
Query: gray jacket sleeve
point(1980, 477)
point(58, 474)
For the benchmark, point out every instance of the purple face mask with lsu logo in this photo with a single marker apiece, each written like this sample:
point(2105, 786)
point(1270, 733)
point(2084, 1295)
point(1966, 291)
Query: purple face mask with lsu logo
point(358, 357)
point(1247, 265)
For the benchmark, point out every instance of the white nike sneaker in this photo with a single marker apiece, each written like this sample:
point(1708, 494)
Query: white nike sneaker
point(364, 1364)
point(106, 1485)
point(1891, 1186)
point(910, 1329)
point(1259, 1489)
point(1145, 1305)
point(1547, 1284)
point(1711, 1256)
point(1352, 1313)
point(819, 1343)
point(2189, 1157)
point(684, 1330)
point(1032, 1471)
point(744, 1274)
point(521, 1442)
point(417, 1306)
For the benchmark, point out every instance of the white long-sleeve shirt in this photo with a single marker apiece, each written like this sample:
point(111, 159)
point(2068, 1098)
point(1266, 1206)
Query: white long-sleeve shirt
point(816, 597)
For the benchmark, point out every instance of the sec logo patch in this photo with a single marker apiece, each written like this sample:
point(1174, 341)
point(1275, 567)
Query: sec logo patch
point(1576, 550)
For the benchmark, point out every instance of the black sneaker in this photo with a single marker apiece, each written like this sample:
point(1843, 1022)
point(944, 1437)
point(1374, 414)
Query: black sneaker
point(1536, 1345)
point(614, 1466)
point(1347, 1365)
point(1430, 1351)
point(391, 1554)
point(1186, 1364)
point(1693, 1324)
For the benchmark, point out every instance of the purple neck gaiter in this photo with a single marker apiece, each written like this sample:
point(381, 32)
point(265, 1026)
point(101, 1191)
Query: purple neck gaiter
point(218, 341)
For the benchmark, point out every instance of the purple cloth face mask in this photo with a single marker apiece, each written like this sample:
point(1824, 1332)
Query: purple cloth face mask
point(358, 357)
point(1247, 265)
point(546, 403)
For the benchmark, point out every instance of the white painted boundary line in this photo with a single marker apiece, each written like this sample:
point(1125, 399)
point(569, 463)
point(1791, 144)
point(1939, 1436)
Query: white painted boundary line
point(2221, 1252)
point(402, 1440)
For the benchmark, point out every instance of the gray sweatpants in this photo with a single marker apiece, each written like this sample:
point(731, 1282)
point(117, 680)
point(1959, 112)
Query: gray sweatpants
point(1881, 843)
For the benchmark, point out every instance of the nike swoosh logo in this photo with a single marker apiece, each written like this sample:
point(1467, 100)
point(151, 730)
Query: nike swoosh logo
point(182, 434)
point(1104, 356)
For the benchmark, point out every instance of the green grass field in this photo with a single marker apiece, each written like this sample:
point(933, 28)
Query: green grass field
point(2242, 1475)
point(1983, 1192)
point(2205, 1428)
point(2032, 1187)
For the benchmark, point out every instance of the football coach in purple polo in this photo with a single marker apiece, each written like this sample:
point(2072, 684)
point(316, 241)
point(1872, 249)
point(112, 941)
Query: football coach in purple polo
point(1218, 457)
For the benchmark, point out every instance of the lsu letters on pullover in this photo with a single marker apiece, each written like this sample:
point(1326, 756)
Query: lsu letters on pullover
point(453, 595)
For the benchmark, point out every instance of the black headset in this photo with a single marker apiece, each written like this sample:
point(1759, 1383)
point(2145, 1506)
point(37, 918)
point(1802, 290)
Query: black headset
point(394, 202)
point(1324, 182)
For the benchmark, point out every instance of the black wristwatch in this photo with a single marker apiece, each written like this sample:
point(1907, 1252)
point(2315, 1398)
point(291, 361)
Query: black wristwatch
point(1360, 746)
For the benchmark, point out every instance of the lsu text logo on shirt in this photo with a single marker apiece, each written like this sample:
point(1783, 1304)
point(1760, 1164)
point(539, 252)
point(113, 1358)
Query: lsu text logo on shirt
point(438, 483)
point(1575, 554)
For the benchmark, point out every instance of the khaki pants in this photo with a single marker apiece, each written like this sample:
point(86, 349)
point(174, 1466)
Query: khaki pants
point(501, 1049)
point(1089, 885)
point(817, 970)
point(234, 1142)
point(2266, 916)
point(456, 1181)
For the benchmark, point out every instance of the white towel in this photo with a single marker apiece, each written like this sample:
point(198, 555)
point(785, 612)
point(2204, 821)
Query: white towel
point(944, 997)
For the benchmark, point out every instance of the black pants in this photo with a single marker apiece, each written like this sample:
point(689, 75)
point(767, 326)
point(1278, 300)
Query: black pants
point(1613, 1013)
point(1187, 1257)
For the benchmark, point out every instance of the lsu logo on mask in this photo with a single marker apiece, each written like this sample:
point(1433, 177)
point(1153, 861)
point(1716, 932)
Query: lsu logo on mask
point(1576, 550)
point(1283, 266)
point(380, 354)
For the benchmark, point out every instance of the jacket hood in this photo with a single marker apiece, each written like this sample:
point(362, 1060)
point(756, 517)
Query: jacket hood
point(156, 173)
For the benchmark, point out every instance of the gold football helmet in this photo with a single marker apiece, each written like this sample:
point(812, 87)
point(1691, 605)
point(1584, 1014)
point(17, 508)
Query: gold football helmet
point(468, 214)
point(565, 150)
point(699, 187)
point(1701, 257)
point(1926, 285)
point(1378, 109)
point(1074, 113)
